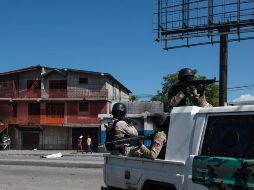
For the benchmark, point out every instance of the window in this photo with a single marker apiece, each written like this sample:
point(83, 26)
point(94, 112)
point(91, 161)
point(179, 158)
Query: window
point(83, 80)
point(57, 84)
point(55, 109)
point(34, 108)
point(229, 136)
point(83, 107)
point(34, 84)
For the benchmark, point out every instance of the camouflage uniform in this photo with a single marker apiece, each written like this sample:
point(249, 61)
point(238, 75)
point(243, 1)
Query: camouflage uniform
point(144, 152)
point(123, 130)
point(177, 99)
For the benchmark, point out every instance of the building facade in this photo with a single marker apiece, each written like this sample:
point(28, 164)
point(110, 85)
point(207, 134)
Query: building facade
point(49, 108)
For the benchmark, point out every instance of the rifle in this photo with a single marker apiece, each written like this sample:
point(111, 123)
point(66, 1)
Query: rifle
point(199, 84)
point(126, 119)
point(126, 140)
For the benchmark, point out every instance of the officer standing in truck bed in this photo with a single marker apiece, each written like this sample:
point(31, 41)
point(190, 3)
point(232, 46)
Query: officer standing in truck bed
point(188, 96)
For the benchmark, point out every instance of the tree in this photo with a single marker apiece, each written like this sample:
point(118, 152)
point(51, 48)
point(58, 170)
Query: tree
point(212, 93)
point(133, 98)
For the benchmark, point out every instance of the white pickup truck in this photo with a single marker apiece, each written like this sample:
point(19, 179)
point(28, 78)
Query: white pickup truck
point(207, 148)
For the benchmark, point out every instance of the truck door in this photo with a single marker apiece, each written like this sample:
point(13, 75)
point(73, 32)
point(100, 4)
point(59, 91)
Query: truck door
point(226, 156)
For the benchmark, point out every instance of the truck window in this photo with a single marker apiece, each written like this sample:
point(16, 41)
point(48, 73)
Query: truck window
point(229, 136)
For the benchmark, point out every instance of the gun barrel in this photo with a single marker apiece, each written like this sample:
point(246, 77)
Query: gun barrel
point(119, 141)
point(194, 83)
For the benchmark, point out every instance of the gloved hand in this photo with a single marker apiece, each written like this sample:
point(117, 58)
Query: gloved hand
point(194, 93)
point(201, 89)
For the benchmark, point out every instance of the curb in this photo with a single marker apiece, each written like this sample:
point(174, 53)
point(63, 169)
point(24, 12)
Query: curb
point(51, 163)
point(65, 155)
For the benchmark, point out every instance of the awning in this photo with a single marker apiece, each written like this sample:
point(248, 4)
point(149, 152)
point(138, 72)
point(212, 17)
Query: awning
point(29, 127)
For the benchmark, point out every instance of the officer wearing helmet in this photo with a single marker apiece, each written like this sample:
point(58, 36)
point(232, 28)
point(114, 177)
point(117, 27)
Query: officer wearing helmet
point(188, 96)
point(120, 128)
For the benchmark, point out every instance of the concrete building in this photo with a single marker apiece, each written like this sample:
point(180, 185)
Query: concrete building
point(49, 108)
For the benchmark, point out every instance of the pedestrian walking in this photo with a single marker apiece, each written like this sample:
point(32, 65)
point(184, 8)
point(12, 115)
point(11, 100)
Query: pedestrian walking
point(89, 144)
point(80, 144)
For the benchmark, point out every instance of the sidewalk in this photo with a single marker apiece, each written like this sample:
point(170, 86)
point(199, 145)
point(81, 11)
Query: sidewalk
point(70, 158)
point(47, 152)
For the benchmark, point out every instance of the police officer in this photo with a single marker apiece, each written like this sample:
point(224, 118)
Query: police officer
point(188, 96)
point(121, 128)
point(158, 141)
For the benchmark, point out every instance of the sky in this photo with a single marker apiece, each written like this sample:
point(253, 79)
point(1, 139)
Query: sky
point(110, 36)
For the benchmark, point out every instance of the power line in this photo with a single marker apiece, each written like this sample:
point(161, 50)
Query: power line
point(235, 88)
point(243, 87)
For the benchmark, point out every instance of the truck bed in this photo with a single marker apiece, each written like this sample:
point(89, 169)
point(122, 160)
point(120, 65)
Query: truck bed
point(131, 173)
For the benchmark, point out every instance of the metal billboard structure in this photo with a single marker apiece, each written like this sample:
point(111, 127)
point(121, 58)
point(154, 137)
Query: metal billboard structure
point(186, 23)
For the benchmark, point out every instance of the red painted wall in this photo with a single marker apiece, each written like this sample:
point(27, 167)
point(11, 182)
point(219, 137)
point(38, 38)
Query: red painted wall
point(91, 117)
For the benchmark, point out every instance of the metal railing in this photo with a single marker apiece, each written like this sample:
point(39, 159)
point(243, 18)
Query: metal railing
point(51, 120)
point(55, 93)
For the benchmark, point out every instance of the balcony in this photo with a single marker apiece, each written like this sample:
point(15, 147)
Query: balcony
point(52, 120)
point(55, 93)
point(28, 93)
point(82, 120)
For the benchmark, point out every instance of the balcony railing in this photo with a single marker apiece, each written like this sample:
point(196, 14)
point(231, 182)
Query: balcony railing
point(55, 93)
point(27, 93)
point(51, 120)
point(82, 120)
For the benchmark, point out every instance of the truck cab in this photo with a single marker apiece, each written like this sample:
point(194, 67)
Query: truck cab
point(207, 148)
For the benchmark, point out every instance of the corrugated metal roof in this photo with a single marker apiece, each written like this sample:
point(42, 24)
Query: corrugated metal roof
point(101, 74)
point(107, 75)
point(21, 70)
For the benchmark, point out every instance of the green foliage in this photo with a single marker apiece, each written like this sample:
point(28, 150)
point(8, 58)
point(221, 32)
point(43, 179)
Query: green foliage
point(133, 98)
point(212, 93)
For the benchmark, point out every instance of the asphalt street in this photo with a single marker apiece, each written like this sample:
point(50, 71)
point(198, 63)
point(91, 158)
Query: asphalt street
point(49, 178)
point(69, 159)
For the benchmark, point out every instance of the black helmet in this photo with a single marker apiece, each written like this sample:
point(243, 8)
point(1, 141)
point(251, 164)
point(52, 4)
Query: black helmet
point(185, 74)
point(119, 109)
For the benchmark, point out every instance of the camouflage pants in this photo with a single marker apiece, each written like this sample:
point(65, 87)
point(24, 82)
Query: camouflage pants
point(132, 151)
point(142, 152)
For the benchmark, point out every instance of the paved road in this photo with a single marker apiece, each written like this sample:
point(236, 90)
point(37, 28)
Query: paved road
point(49, 178)
point(64, 158)
point(88, 161)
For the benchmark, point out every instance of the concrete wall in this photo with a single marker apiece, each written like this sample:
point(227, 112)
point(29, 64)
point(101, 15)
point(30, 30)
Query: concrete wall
point(24, 77)
point(6, 109)
point(47, 78)
point(138, 107)
point(22, 112)
point(94, 81)
point(116, 93)
point(16, 138)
